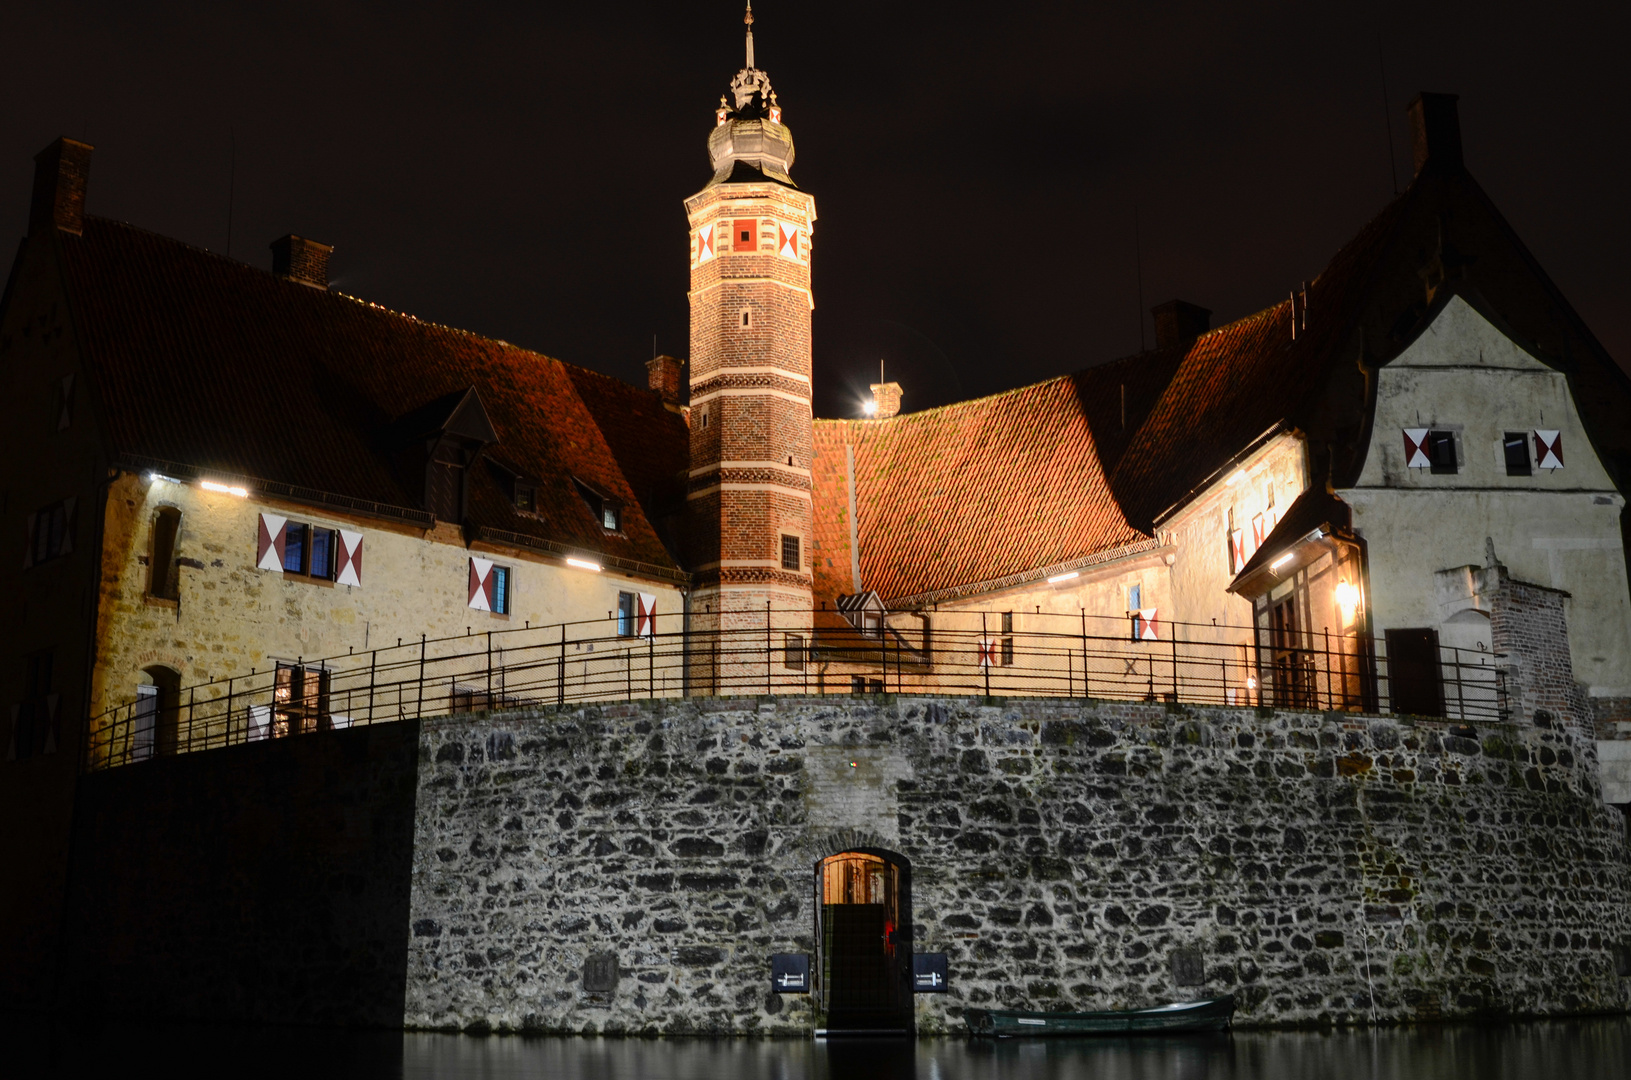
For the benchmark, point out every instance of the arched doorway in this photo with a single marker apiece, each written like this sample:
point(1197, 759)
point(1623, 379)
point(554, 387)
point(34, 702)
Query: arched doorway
point(864, 941)
point(155, 722)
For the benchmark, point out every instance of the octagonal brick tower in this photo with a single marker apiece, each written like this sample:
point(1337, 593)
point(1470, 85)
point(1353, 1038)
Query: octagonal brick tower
point(751, 436)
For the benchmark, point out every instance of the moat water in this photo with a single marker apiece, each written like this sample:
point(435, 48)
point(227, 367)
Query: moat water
point(1599, 1049)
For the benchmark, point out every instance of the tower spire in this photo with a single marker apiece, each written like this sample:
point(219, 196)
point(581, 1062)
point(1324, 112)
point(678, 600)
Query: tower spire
point(748, 21)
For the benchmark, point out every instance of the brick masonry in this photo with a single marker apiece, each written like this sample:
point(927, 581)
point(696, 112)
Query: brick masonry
point(629, 869)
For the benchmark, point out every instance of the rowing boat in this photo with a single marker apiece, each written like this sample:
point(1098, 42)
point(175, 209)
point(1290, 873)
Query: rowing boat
point(1181, 1017)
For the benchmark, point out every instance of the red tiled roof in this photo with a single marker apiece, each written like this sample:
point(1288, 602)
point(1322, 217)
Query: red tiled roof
point(198, 359)
point(966, 493)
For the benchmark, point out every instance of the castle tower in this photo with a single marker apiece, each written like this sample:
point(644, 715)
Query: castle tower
point(751, 437)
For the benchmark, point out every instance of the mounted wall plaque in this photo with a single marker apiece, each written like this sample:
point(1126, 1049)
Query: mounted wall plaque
point(790, 973)
point(929, 973)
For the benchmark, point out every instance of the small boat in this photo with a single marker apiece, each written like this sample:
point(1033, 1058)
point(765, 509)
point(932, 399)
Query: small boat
point(1181, 1017)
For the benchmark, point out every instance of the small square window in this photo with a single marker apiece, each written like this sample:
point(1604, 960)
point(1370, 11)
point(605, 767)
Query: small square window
point(790, 553)
point(794, 657)
point(1441, 452)
point(625, 614)
point(1516, 446)
point(1008, 622)
point(526, 497)
point(611, 516)
point(309, 550)
point(294, 548)
point(1134, 597)
point(745, 235)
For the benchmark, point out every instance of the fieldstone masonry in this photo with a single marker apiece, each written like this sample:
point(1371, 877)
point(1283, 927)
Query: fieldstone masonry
point(631, 868)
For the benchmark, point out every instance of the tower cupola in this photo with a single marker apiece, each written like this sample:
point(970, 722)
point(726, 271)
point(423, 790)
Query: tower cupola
point(748, 126)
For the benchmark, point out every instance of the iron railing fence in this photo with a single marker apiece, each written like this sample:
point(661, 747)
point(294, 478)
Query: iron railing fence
point(779, 652)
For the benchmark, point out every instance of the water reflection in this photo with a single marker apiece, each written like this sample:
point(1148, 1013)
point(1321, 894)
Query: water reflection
point(1538, 1051)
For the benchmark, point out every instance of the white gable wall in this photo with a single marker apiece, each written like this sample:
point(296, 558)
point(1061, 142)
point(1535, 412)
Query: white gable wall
point(1559, 528)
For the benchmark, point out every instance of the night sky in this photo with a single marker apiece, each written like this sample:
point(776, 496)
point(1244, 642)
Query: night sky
point(518, 169)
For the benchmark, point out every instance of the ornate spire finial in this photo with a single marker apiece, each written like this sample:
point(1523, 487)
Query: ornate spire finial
point(748, 21)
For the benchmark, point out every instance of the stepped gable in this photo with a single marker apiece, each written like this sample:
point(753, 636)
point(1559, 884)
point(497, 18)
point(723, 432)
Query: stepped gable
point(203, 361)
point(1441, 237)
point(966, 493)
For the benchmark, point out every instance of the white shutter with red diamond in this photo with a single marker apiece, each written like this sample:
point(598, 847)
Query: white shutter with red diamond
point(481, 584)
point(348, 560)
point(1257, 531)
point(645, 615)
point(1144, 625)
point(787, 240)
point(269, 549)
point(705, 243)
point(1237, 550)
point(1548, 449)
point(1415, 449)
point(987, 648)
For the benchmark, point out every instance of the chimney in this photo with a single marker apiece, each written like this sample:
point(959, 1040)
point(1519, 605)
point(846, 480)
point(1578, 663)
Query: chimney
point(1178, 321)
point(1435, 132)
point(886, 396)
point(61, 171)
point(663, 375)
point(294, 258)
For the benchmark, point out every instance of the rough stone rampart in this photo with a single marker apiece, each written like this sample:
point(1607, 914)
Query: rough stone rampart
point(1066, 854)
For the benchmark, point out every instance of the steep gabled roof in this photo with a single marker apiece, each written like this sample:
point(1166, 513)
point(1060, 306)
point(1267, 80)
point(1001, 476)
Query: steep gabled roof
point(204, 361)
point(966, 493)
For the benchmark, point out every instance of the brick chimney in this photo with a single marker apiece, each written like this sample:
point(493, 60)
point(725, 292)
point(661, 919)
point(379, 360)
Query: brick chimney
point(61, 172)
point(665, 375)
point(887, 397)
point(1435, 132)
point(1178, 321)
point(294, 258)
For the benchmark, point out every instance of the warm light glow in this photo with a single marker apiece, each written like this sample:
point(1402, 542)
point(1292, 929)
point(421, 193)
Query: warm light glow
point(583, 564)
point(1282, 560)
point(211, 485)
point(1057, 578)
point(1347, 600)
point(1236, 477)
point(156, 477)
point(1251, 682)
point(869, 406)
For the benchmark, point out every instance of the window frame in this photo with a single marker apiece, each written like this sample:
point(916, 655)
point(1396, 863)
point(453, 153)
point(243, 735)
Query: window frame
point(627, 614)
point(1521, 438)
point(1441, 438)
point(503, 578)
point(308, 537)
point(311, 714)
point(793, 652)
point(41, 521)
point(164, 582)
point(797, 547)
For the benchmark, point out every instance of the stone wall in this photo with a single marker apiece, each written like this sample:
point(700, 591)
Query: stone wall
point(263, 883)
point(1066, 854)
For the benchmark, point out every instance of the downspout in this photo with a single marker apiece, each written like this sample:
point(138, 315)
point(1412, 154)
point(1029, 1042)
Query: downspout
point(685, 643)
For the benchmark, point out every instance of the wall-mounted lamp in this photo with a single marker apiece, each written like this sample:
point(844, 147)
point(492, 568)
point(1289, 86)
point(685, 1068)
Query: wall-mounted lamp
point(583, 564)
point(1282, 560)
point(211, 485)
point(154, 477)
point(1057, 578)
point(1347, 600)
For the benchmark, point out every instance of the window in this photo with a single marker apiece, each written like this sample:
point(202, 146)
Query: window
point(625, 614)
point(1134, 597)
point(1441, 452)
point(34, 721)
point(501, 590)
point(1515, 444)
point(790, 552)
point(162, 575)
point(299, 700)
point(1007, 639)
point(794, 656)
point(743, 235)
point(309, 550)
point(747, 318)
point(609, 512)
point(50, 533)
point(526, 497)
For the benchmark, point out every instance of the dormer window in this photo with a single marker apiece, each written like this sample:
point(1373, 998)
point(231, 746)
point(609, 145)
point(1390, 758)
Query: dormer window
point(607, 511)
point(526, 497)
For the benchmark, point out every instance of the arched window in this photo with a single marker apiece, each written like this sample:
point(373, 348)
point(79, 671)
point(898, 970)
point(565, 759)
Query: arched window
point(163, 581)
point(155, 724)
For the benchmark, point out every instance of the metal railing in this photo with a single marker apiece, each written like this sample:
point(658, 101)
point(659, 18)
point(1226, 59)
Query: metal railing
point(779, 652)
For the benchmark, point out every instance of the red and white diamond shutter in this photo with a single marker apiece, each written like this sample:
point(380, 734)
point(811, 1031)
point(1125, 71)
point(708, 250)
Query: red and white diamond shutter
point(1237, 550)
point(987, 649)
point(481, 584)
point(269, 547)
point(1258, 531)
point(705, 243)
point(788, 245)
point(645, 615)
point(1548, 449)
point(1415, 448)
point(348, 560)
point(1144, 625)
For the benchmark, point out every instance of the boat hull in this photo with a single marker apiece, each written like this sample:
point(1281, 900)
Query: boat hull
point(1213, 1014)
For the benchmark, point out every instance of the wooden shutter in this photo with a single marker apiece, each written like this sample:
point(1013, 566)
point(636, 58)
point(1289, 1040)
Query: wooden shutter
point(481, 584)
point(1548, 449)
point(750, 226)
point(1144, 625)
point(1415, 683)
point(269, 549)
point(788, 237)
point(1415, 449)
point(645, 616)
point(348, 560)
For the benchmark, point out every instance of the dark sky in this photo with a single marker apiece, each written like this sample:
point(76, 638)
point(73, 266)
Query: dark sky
point(518, 169)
